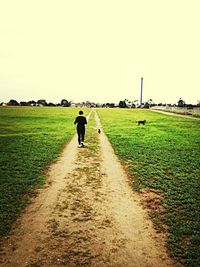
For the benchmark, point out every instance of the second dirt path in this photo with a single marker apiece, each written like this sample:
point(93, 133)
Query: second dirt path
point(87, 215)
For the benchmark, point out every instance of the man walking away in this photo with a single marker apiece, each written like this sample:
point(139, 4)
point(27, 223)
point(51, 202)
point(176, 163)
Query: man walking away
point(80, 121)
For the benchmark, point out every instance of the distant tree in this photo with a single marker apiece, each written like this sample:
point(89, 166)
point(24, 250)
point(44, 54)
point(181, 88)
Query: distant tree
point(23, 103)
point(98, 105)
point(13, 102)
point(31, 103)
point(128, 103)
point(107, 105)
point(65, 103)
point(146, 105)
point(112, 105)
point(181, 103)
point(122, 104)
point(88, 104)
point(93, 105)
point(42, 102)
point(51, 104)
point(133, 105)
point(150, 101)
point(189, 106)
point(198, 103)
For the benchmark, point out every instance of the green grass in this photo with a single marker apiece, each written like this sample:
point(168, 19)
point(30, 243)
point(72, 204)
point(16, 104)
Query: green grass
point(164, 158)
point(30, 139)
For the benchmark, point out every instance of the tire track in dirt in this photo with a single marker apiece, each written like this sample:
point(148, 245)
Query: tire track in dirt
point(176, 114)
point(87, 215)
point(143, 246)
point(27, 232)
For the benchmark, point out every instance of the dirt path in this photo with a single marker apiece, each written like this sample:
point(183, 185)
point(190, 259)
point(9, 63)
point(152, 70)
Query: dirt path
point(176, 114)
point(87, 215)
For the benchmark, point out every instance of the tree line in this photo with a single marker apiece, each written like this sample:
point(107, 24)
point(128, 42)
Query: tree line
point(122, 104)
point(40, 102)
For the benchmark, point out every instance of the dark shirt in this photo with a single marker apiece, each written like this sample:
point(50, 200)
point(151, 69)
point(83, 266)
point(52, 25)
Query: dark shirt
point(80, 121)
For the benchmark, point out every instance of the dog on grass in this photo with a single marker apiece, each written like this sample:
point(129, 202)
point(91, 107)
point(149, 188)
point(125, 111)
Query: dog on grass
point(141, 122)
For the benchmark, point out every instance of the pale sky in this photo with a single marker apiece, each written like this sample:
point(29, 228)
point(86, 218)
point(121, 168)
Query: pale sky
point(98, 50)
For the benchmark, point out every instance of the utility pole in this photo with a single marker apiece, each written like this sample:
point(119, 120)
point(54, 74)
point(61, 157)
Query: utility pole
point(141, 92)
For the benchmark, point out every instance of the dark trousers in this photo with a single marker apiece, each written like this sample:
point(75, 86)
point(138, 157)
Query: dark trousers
point(81, 134)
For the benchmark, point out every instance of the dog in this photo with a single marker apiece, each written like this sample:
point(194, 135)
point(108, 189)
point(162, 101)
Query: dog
point(141, 122)
point(99, 131)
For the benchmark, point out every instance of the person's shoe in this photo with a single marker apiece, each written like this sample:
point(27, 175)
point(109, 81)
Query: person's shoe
point(82, 144)
point(79, 145)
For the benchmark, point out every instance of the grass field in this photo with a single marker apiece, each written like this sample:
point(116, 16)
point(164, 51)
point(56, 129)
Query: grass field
point(163, 159)
point(30, 138)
